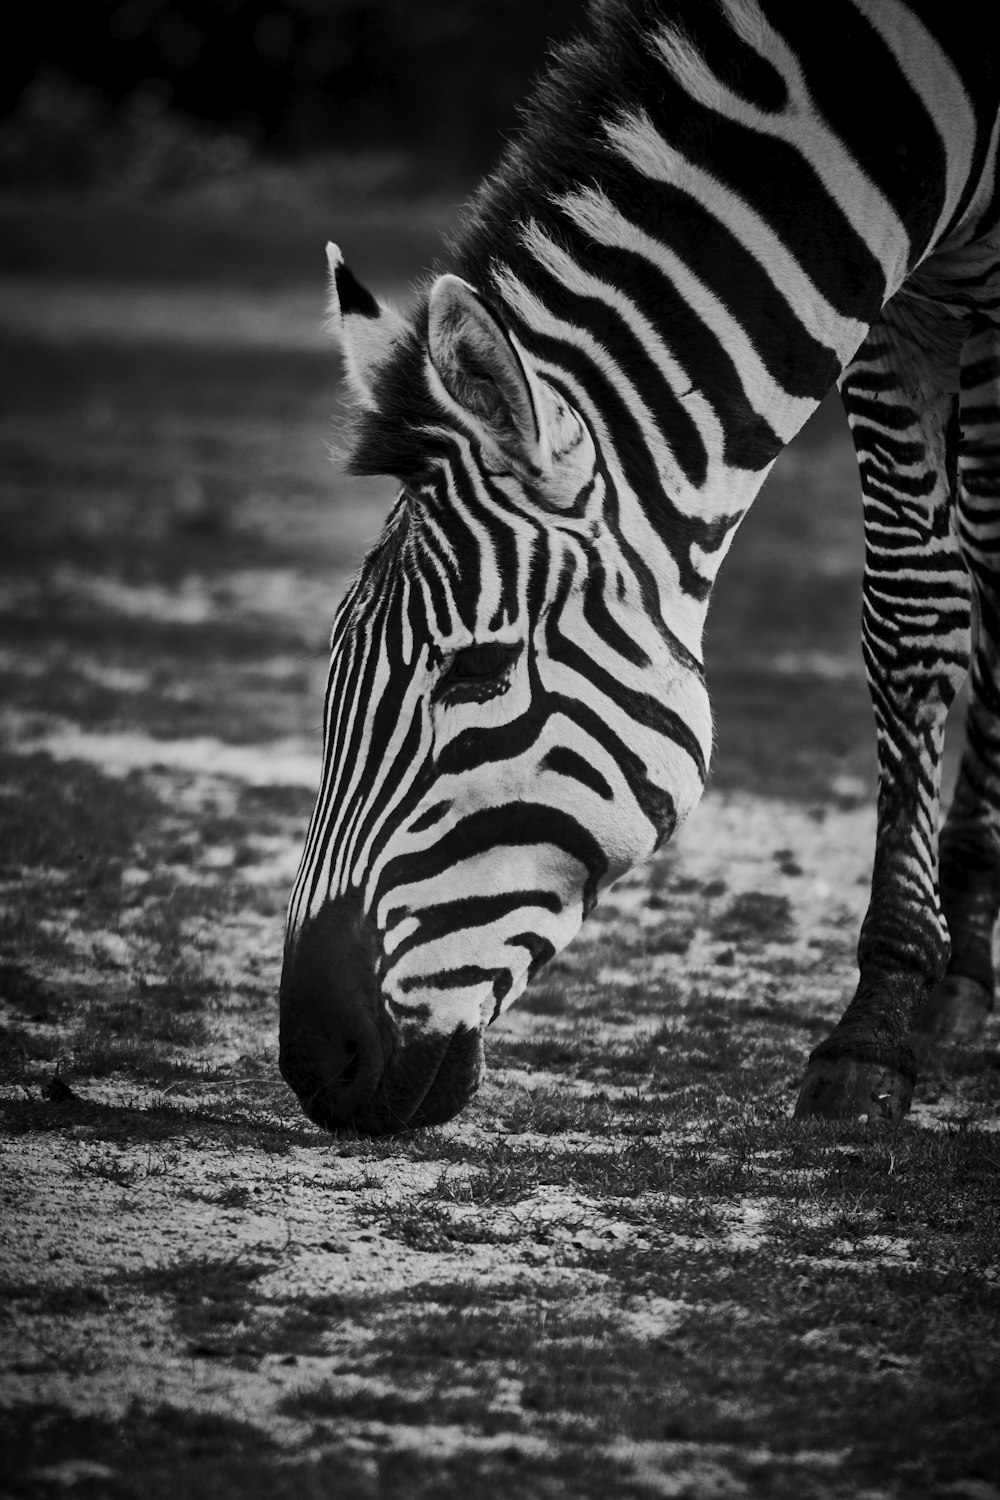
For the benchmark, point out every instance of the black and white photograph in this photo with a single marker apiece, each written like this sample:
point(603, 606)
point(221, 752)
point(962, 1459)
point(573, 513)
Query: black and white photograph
point(499, 750)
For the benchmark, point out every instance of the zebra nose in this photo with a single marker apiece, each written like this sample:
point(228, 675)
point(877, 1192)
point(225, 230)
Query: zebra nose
point(341, 1052)
point(333, 1045)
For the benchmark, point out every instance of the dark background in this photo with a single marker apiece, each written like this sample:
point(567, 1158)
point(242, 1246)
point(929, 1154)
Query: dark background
point(82, 79)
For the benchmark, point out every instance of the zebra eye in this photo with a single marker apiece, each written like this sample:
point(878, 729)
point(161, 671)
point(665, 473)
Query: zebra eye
point(481, 663)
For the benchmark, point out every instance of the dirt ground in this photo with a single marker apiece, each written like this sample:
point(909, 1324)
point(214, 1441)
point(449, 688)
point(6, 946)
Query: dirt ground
point(624, 1270)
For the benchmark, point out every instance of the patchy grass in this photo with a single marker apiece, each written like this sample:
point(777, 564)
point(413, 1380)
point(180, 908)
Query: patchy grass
point(819, 1357)
point(623, 1271)
point(820, 1366)
point(151, 1454)
point(233, 1118)
point(755, 916)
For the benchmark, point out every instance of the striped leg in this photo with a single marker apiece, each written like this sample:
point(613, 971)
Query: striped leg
point(915, 636)
point(970, 839)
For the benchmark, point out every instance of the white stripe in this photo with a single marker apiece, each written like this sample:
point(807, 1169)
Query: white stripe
point(640, 143)
point(933, 78)
point(594, 212)
point(801, 126)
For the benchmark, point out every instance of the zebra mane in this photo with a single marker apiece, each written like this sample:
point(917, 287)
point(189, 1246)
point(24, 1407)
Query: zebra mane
point(391, 434)
point(589, 79)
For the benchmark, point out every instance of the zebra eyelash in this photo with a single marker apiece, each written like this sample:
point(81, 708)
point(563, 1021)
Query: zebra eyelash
point(479, 672)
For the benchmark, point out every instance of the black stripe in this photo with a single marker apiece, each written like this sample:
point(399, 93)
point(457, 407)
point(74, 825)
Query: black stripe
point(801, 364)
point(879, 117)
point(513, 824)
point(445, 917)
point(674, 422)
point(566, 762)
point(353, 297)
point(678, 532)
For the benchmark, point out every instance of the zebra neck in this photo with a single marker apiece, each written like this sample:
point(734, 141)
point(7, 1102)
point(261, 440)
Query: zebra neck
point(693, 377)
point(684, 455)
point(695, 260)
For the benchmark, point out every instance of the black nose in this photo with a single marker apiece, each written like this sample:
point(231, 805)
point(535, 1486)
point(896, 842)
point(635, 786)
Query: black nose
point(340, 1050)
point(332, 1049)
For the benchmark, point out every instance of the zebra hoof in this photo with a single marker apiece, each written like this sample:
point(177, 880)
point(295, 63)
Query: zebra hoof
point(839, 1088)
point(954, 1014)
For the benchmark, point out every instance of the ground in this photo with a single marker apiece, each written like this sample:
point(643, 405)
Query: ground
point(624, 1270)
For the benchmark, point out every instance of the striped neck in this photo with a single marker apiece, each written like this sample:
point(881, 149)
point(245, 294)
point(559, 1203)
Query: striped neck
point(644, 238)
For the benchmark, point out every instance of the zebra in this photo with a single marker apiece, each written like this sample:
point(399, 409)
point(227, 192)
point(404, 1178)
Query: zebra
point(714, 212)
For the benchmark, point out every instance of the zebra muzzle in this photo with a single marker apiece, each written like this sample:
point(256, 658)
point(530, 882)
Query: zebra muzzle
point(340, 1050)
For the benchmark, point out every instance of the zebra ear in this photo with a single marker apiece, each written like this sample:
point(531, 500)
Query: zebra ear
point(484, 371)
point(369, 330)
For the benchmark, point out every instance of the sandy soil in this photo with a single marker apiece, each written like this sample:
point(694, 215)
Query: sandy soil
point(115, 1211)
point(177, 1238)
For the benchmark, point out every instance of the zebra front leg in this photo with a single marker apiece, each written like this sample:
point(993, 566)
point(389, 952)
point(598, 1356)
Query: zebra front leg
point(915, 636)
point(970, 840)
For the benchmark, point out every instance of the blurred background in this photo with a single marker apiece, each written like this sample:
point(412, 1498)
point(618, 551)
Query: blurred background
point(162, 94)
point(169, 175)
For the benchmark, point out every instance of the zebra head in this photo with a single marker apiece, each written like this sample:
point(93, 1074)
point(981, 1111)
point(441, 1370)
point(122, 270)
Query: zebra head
point(511, 722)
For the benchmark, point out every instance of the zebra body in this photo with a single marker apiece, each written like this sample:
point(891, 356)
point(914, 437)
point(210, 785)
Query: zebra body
point(700, 230)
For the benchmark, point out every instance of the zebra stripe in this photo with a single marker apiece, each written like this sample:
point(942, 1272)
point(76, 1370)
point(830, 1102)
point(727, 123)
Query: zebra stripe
point(698, 232)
